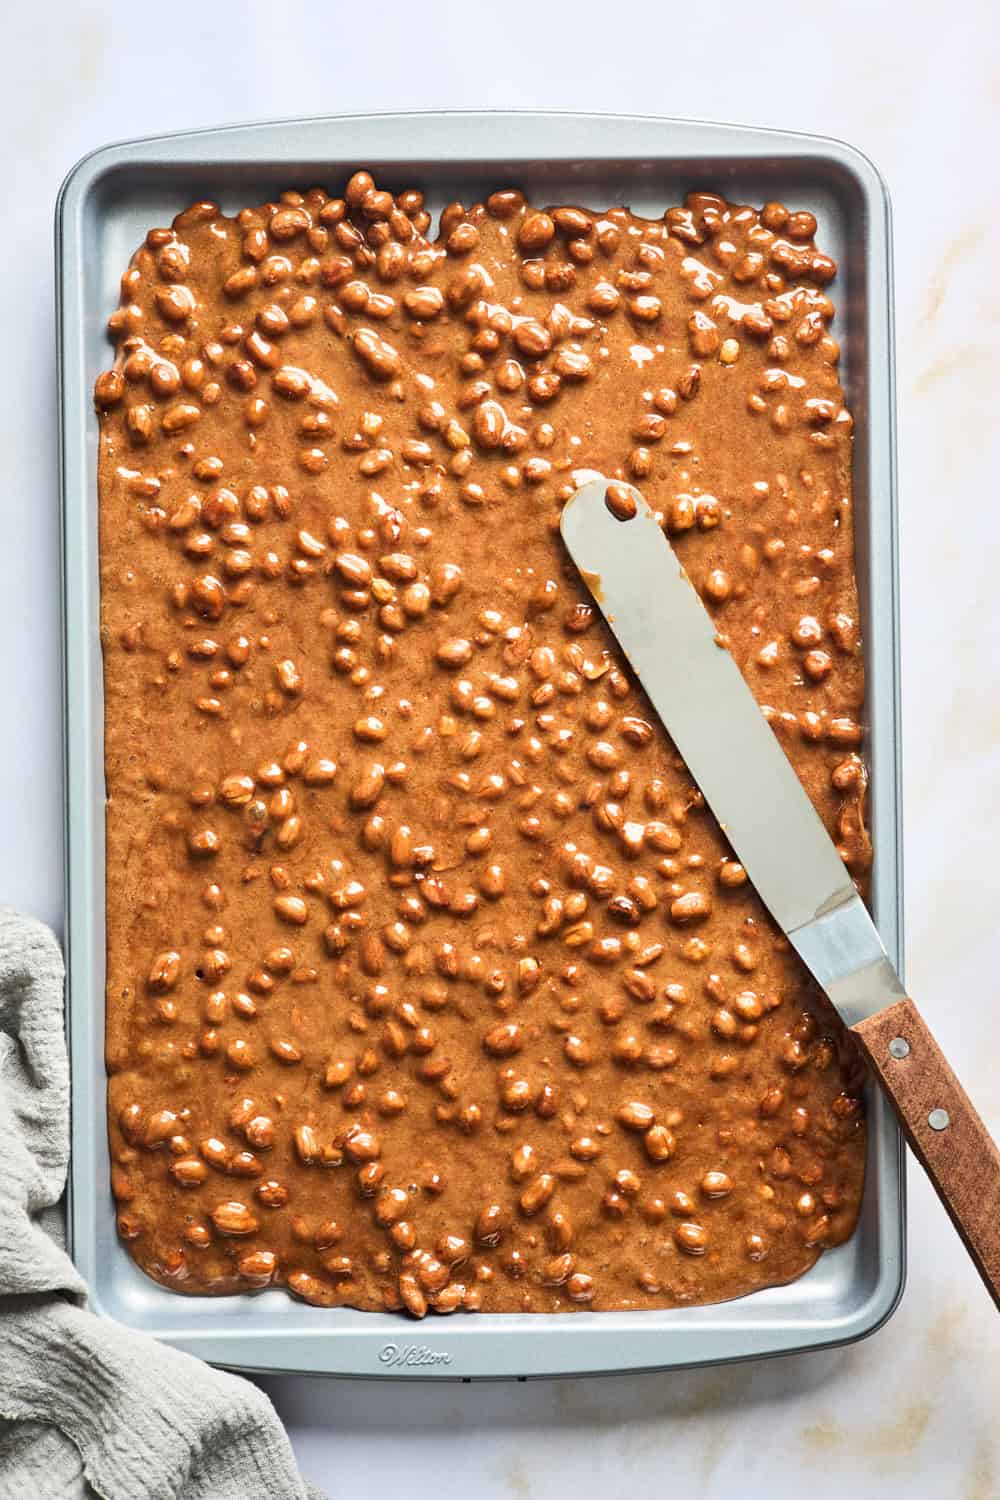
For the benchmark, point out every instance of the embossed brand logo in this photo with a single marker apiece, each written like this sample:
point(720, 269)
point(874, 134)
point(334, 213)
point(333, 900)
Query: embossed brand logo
point(412, 1354)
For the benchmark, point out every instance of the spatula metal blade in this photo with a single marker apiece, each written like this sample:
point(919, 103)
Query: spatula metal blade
point(699, 693)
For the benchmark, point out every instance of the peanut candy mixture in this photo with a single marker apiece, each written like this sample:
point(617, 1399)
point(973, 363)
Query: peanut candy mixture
point(432, 982)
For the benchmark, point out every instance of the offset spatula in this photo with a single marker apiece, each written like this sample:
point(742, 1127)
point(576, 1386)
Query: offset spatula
point(744, 775)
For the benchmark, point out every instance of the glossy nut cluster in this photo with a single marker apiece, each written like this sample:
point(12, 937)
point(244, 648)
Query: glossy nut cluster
point(432, 982)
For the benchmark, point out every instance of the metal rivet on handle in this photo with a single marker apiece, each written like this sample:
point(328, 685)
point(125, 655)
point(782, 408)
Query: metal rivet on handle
point(938, 1119)
point(899, 1047)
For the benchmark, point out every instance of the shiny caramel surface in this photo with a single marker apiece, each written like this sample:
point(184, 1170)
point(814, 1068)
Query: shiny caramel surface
point(432, 983)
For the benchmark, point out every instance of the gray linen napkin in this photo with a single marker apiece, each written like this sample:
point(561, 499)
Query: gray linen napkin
point(84, 1401)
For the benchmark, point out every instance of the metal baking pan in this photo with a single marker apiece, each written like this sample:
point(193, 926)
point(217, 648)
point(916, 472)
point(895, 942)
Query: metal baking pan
point(105, 207)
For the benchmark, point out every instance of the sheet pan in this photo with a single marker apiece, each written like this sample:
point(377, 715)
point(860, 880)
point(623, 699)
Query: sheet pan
point(106, 204)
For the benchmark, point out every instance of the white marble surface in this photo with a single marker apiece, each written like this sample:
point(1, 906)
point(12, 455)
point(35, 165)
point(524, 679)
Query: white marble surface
point(913, 1411)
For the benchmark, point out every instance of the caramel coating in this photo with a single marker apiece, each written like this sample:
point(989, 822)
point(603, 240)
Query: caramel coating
point(432, 983)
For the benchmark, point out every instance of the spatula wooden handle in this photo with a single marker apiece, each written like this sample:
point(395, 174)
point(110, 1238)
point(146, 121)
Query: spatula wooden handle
point(943, 1129)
